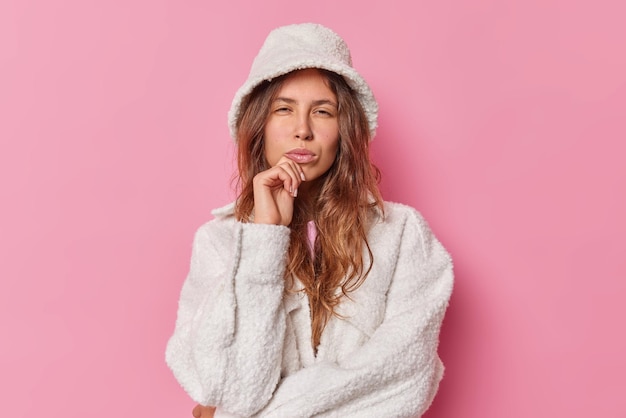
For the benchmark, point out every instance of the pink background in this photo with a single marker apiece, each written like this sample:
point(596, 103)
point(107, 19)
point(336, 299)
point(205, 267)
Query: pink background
point(504, 122)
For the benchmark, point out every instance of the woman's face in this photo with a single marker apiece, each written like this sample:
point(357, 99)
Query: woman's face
point(303, 124)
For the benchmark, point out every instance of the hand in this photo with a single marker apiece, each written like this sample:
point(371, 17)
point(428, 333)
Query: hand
point(203, 411)
point(274, 192)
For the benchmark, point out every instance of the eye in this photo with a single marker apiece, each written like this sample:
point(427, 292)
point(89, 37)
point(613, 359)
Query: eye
point(282, 109)
point(324, 112)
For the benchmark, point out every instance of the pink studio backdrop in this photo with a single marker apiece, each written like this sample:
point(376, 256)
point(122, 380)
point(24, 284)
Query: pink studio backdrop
point(503, 122)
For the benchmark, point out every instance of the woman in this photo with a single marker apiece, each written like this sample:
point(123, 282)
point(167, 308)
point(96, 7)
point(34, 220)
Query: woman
point(310, 296)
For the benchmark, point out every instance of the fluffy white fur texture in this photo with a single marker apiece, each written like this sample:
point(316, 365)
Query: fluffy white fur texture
point(243, 344)
point(296, 47)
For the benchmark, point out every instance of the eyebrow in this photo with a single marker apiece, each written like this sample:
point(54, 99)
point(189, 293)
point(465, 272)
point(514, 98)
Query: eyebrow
point(315, 102)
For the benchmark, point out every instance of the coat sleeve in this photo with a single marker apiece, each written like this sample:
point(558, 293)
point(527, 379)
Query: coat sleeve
point(397, 371)
point(226, 348)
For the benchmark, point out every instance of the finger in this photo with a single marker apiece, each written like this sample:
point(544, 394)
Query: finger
point(297, 167)
point(290, 181)
point(278, 176)
point(295, 173)
point(284, 175)
point(197, 411)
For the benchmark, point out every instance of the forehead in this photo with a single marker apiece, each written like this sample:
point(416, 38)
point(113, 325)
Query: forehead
point(306, 83)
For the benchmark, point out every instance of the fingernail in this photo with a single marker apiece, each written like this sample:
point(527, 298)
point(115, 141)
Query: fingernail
point(295, 193)
point(302, 176)
point(291, 189)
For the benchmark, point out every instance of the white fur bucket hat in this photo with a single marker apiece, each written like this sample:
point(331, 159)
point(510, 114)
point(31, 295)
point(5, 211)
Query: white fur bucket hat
point(300, 46)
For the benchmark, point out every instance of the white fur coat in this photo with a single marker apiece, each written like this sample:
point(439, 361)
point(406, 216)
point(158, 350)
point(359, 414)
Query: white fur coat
point(243, 344)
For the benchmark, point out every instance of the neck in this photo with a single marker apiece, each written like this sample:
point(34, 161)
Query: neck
point(308, 192)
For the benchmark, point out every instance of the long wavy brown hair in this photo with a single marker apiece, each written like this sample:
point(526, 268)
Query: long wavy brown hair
point(344, 203)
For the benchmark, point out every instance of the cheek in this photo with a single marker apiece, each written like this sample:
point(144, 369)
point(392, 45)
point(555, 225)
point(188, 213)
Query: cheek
point(271, 156)
point(331, 153)
point(270, 147)
point(331, 141)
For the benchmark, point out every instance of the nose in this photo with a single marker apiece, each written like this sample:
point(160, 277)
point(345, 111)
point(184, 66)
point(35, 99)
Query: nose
point(303, 129)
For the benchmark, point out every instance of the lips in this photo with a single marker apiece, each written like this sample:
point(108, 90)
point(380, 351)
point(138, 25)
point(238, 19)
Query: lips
point(300, 155)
